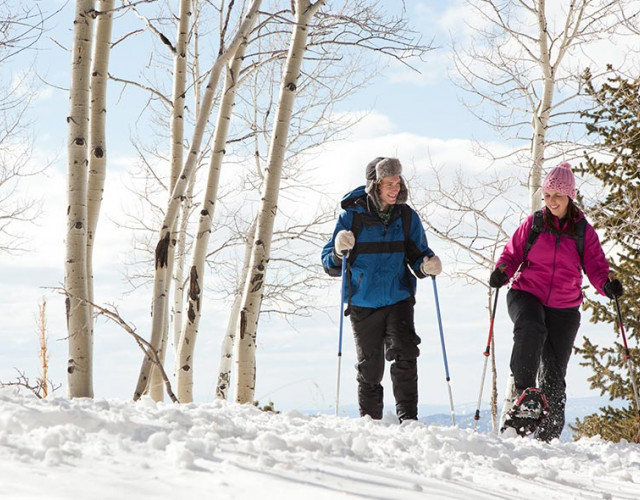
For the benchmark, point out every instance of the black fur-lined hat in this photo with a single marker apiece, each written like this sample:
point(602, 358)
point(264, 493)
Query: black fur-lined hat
point(380, 168)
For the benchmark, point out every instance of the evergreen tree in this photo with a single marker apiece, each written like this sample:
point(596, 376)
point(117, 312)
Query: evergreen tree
point(615, 123)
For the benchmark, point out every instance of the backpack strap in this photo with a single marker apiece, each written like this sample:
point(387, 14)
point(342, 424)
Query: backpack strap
point(537, 226)
point(581, 228)
point(405, 214)
point(356, 227)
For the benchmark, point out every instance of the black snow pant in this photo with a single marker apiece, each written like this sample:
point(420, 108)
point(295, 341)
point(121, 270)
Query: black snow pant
point(386, 332)
point(543, 340)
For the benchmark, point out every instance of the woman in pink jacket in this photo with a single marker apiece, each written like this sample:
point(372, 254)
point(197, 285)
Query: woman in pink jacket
point(546, 294)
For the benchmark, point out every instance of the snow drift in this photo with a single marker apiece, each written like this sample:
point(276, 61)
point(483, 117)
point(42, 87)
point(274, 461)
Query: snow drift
point(107, 449)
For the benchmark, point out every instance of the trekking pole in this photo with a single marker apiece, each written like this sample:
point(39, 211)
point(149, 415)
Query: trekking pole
point(486, 353)
point(444, 351)
point(344, 272)
point(627, 356)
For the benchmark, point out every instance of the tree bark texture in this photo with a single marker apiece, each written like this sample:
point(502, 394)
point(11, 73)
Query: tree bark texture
point(179, 90)
point(177, 154)
point(155, 388)
point(197, 270)
point(229, 343)
point(80, 362)
point(542, 112)
point(166, 238)
point(253, 290)
point(97, 125)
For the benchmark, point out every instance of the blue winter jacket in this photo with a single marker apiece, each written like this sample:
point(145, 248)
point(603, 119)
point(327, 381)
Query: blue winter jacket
point(379, 275)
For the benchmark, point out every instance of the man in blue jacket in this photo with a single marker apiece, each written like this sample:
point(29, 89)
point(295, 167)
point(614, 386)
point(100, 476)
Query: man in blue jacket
point(387, 248)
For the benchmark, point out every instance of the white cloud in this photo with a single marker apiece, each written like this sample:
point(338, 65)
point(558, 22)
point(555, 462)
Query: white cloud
point(457, 19)
point(341, 165)
point(369, 124)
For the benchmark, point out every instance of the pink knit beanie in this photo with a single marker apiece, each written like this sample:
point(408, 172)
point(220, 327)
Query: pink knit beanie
point(560, 179)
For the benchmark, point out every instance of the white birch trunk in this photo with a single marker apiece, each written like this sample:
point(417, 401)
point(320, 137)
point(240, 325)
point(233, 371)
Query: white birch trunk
point(159, 307)
point(252, 294)
point(156, 384)
point(176, 260)
point(179, 275)
point(229, 340)
point(542, 113)
point(155, 387)
point(197, 269)
point(177, 155)
point(179, 89)
point(97, 125)
point(80, 366)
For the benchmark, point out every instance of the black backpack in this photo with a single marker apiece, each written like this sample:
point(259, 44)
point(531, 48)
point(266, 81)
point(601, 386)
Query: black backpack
point(356, 226)
point(537, 227)
point(359, 220)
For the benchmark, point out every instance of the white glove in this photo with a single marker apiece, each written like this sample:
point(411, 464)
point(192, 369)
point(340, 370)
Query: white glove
point(431, 266)
point(345, 241)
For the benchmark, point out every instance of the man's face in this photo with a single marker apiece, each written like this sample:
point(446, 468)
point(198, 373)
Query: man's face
point(388, 190)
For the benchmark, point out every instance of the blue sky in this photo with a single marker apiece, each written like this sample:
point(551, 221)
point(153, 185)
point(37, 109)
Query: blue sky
point(416, 117)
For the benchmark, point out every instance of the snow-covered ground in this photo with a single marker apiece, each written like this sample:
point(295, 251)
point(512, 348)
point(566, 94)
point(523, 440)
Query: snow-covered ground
point(113, 449)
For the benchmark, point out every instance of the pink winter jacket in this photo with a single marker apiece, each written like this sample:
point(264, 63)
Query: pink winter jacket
point(553, 272)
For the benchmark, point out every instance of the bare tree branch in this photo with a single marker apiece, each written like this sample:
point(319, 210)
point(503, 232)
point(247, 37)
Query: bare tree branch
point(113, 315)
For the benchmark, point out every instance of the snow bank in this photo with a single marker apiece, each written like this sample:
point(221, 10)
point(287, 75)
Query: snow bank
point(59, 448)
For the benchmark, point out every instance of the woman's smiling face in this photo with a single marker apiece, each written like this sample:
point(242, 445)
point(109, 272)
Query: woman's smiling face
point(557, 203)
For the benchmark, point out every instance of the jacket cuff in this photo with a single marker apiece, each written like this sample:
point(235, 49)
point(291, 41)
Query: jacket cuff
point(337, 259)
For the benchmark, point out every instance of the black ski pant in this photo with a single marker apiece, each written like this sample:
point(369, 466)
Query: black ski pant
point(386, 332)
point(543, 340)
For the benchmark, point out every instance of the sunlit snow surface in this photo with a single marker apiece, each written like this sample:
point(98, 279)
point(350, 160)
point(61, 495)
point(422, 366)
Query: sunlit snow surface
point(112, 449)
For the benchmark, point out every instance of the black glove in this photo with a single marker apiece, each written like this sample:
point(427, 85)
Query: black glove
point(613, 288)
point(498, 278)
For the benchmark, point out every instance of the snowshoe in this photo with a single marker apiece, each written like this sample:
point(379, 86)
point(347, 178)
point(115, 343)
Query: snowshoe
point(527, 412)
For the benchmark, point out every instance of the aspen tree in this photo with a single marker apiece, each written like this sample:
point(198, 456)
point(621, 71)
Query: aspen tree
point(156, 384)
point(252, 294)
point(333, 77)
point(518, 56)
point(97, 135)
point(197, 269)
point(80, 366)
point(229, 340)
point(166, 236)
point(97, 123)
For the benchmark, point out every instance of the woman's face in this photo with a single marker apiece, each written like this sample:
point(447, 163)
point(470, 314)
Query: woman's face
point(557, 203)
point(388, 190)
